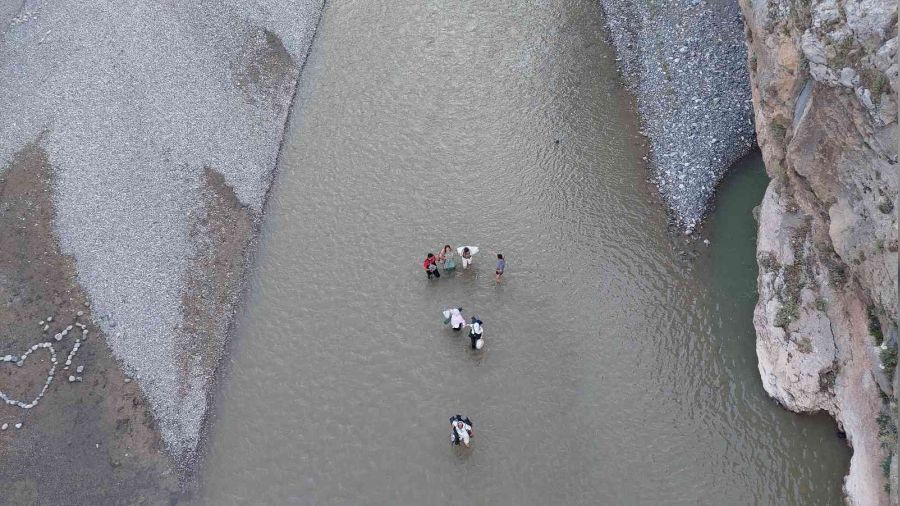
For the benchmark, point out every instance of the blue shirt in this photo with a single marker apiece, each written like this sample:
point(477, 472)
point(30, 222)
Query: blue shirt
point(501, 264)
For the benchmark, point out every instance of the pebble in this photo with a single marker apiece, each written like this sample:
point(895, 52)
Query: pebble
point(40, 323)
point(79, 369)
point(18, 425)
point(4, 426)
point(46, 328)
point(49, 318)
point(80, 313)
point(71, 379)
point(127, 380)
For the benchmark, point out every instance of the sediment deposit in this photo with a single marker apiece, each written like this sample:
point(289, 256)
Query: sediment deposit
point(685, 62)
point(157, 129)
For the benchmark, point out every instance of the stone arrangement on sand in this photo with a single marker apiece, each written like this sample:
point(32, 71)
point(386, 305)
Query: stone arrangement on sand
point(20, 361)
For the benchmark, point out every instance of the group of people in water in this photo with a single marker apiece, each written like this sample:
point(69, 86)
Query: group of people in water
point(446, 259)
point(457, 322)
point(461, 430)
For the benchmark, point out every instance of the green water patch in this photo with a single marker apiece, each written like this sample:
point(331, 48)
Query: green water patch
point(816, 457)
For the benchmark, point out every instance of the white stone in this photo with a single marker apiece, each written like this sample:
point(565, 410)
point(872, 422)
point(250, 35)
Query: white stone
point(79, 369)
point(813, 48)
point(870, 17)
point(40, 323)
point(71, 379)
point(825, 12)
point(80, 313)
point(46, 328)
point(18, 425)
point(849, 77)
point(4, 426)
point(49, 318)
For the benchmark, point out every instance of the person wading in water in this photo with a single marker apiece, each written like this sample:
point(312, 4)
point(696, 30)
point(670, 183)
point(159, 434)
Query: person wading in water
point(431, 268)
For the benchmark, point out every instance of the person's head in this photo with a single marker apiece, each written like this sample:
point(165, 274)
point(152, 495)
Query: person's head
point(460, 425)
point(499, 256)
point(465, 250)
point(474, 319)
point(447, 247)
point(430, 255)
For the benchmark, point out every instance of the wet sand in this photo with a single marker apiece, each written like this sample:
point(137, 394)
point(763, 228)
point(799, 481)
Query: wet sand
point(93, 441)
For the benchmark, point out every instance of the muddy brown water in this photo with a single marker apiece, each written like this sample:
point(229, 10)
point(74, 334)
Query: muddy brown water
point(620, 364)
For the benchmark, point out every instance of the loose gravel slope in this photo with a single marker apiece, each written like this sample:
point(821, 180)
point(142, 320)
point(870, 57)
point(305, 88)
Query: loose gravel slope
point(686, 62)
point(138, 106)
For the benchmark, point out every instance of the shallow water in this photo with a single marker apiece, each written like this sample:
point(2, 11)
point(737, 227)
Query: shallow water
point(620, 364)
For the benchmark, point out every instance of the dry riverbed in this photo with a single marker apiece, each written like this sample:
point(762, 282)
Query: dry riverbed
point(137, 148)
point(95, 439)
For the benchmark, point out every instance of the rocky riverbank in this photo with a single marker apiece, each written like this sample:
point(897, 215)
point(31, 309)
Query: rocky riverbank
point(137, 147)
point(685, 62)
point(824, 77)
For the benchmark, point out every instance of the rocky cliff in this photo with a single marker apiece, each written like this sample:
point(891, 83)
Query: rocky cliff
point(824, 81)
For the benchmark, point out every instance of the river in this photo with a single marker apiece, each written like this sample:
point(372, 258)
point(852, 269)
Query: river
point(620, 363)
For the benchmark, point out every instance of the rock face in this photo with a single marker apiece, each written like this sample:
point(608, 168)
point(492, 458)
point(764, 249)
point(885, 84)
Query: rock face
point(685, 62)
point(162, 125)
point(824, 79)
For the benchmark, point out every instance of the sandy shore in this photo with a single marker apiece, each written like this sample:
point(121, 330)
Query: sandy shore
point(137, 147)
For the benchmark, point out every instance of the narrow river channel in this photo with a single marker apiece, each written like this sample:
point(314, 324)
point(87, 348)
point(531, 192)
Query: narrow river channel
point(620, 364)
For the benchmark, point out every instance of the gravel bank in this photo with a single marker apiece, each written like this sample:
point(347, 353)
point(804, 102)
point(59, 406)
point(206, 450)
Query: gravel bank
point(132, 104)
point(686, 63)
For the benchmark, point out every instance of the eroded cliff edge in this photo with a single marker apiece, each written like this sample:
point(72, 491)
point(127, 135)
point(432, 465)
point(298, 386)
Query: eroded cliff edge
point(824, 81)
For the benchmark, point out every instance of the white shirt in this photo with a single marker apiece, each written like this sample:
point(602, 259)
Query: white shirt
point(463, 433)
point(456, 318)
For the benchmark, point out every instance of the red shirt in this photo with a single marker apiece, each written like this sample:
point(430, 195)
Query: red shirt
point(429, 261)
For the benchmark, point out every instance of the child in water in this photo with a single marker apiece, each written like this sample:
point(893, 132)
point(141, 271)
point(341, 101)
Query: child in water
point(501, 266)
